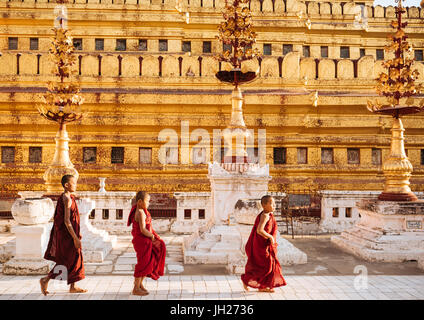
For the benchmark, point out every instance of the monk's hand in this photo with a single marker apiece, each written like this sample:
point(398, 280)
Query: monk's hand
point(77, 243)
point(271, 239)
point(152, 237)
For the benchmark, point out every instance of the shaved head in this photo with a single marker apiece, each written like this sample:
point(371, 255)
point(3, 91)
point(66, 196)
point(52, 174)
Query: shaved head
point(266, 199)
point(66, 178)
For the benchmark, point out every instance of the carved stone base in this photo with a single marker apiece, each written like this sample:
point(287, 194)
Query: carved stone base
point(27, 266)
point(386, 196)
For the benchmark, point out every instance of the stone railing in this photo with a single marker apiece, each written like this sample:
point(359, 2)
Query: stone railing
point(312, 8)
point(108, 204)
point(291, 67)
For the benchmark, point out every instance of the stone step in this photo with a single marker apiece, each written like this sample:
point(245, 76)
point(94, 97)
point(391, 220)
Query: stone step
point(355, 240)
point(126, 261)
point(205, 245)
point(211, 237)
point(226, 246)
point(230, 237)
point(223, 229)
point(174, 251)
point(123, 267)
point(128, 255)
point(227, 250)
point(196, 257)
point(368, 229)
point(360, 236)
point(123, 272)
point(174, 260)
point(180, 257)
point(173, 245)
point(175, 268)
point(168, 249)
point(363, 237)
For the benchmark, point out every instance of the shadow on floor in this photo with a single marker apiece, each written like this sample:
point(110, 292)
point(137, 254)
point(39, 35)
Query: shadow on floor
point(325, 258)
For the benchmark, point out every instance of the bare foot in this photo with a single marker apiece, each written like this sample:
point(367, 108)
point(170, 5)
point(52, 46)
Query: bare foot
point(139, 292)
point(43, 285)
point(141, 288)
point(245, 287)
point(77, 290)
point(266, 290)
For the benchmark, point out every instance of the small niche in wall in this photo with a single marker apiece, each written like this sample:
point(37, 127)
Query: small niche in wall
point(335, 212)
point(348, 213)
point(201, 214)
point(187, 213)
point(105, 214)
point(119, 214)
point(92, 214)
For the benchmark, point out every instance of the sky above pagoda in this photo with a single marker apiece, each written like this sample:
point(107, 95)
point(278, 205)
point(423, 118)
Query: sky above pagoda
point(407, 3)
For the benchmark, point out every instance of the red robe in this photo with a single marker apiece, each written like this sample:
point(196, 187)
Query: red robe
point(263, 269)
point(150, 254)
point(61, 248)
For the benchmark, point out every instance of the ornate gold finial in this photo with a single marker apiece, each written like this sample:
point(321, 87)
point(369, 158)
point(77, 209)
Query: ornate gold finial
point(398, 83)
point(398, 86)
point(237, 31)
point(62, 101)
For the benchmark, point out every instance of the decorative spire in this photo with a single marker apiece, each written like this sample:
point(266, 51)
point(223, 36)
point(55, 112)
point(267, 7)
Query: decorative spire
point(399, 80)
point(237, 31)
point(62, 99)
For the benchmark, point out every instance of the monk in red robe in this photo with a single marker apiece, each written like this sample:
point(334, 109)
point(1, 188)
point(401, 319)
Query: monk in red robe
point(149, 247)
point(64, 246)
point(263, 270)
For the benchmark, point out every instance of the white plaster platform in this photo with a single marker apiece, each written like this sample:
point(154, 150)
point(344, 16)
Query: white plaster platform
point(31, 243)
point(388, 231)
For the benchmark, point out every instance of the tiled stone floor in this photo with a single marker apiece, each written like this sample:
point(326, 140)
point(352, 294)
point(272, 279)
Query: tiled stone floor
point(201, 287)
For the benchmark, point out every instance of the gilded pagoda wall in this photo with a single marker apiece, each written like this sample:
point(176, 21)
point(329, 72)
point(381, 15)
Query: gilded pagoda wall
point(131, 95)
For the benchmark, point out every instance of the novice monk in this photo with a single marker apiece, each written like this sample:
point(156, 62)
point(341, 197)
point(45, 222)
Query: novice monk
point(149, 247)
point(263, 271)
point(64, 246)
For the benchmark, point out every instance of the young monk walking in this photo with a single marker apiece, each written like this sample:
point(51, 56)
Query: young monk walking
point(64, 246)
point(149, 247)
point(263, 271)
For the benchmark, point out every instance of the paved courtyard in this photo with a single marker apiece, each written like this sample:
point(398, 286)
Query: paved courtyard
point(330, 274)
point(225, 287)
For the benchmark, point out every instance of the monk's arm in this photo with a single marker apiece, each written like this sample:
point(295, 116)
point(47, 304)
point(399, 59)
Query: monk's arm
point(261, 227)
point(142, 222)
point(68, 202)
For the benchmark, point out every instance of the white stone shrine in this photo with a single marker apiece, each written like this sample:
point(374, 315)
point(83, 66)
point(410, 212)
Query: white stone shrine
point(32, 236)
point(235, 190)
point(231, 182)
